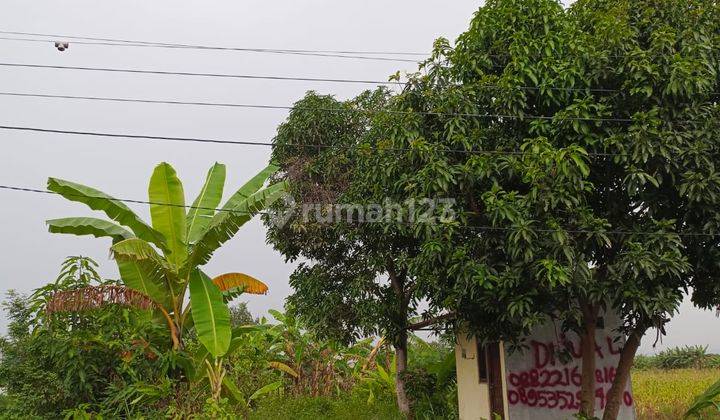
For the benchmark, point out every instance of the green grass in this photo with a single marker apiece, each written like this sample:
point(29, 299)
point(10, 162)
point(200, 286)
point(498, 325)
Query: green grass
point(666, 394)
point(315, 408)
point(660, 394)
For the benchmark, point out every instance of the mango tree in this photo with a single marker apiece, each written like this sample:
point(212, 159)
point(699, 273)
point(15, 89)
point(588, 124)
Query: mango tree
point(163, 260)
point(581, 148)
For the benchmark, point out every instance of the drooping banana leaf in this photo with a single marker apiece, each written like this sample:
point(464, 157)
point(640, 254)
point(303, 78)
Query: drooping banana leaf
point(225, 224)
point(250, 187)
point(203, 208)
point(167, 210)
point(233, 392)
point(143, 269)
point(247, 284)
point(145, 279)
point(114, 209)
point(135, 249)
point(80, 226)
point(210, 314)
point(265, 390)
point(284, 368)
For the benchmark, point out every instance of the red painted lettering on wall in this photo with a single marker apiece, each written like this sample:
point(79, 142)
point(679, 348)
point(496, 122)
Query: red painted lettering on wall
point(552, 385)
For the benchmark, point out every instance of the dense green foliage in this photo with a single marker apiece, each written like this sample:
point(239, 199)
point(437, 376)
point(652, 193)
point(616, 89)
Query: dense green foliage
point(58, 361)
point(559, 189)
point(688, 357)
point(331, 225)
point(115, 361)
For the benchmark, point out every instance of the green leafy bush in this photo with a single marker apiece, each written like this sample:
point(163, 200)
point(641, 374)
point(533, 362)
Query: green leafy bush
point(57, 361)
point(683, 357)
point(688, 357)
point(431, 379)
point(643, 362)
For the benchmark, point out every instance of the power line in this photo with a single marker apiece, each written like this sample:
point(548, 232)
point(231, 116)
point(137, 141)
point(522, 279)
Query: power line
point(261, 143)
point(302, 79)
point(322, 109)
point(252, 50)
point(287, 107)
point(177, 45)
point(185, 73)
point(119, 42)
point(479, 228)
point(137, 136)
point(125, 200)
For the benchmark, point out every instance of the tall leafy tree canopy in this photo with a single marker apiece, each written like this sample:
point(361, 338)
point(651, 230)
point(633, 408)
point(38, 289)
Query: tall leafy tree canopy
point(354, 279)
point(580, 147)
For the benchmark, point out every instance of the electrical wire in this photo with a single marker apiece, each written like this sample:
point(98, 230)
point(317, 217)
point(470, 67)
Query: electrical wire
point(252, 50)
point(195, 46)
point(291, 78)
point(263, 143)
point(116, 41)
point(186, 73)
point(479, 228)
point(287, 107)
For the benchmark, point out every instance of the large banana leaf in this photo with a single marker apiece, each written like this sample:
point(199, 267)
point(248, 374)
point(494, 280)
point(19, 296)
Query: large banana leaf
point(238, 338)
point(210, 314)
point(114, 209)
point(98, 228)
point(203, 208)
point(225, 224)
point(250, 187)
point(167, 210)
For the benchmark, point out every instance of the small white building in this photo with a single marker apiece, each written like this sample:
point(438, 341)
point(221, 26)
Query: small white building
point(534, 384)
point(480, 379)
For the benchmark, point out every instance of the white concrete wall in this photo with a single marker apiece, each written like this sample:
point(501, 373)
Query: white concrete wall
point(473, 396)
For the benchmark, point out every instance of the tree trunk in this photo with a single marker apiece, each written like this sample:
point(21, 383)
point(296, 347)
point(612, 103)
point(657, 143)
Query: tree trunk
point(615, 395)
point(587, 349)
point(401, 358)
point(397, 281)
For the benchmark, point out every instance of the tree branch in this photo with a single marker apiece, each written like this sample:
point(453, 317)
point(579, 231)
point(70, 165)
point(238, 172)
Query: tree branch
point(431, 321)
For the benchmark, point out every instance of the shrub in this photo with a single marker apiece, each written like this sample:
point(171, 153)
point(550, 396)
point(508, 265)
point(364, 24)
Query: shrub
point(713, 361)
point(679, 358)
point(682, 357)
point(431, 379)
point(54, 361)
point(643, 362)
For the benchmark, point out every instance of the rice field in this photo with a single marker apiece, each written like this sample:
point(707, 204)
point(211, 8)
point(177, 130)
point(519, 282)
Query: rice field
point(666, 394)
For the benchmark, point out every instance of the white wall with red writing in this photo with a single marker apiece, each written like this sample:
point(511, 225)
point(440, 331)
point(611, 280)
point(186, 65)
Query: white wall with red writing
point(540, 386)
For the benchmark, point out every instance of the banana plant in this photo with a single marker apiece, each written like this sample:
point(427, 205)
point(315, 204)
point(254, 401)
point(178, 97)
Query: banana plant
point(163, 259)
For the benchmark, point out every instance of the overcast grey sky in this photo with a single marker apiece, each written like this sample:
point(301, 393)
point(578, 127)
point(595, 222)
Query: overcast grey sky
point(30, 257)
